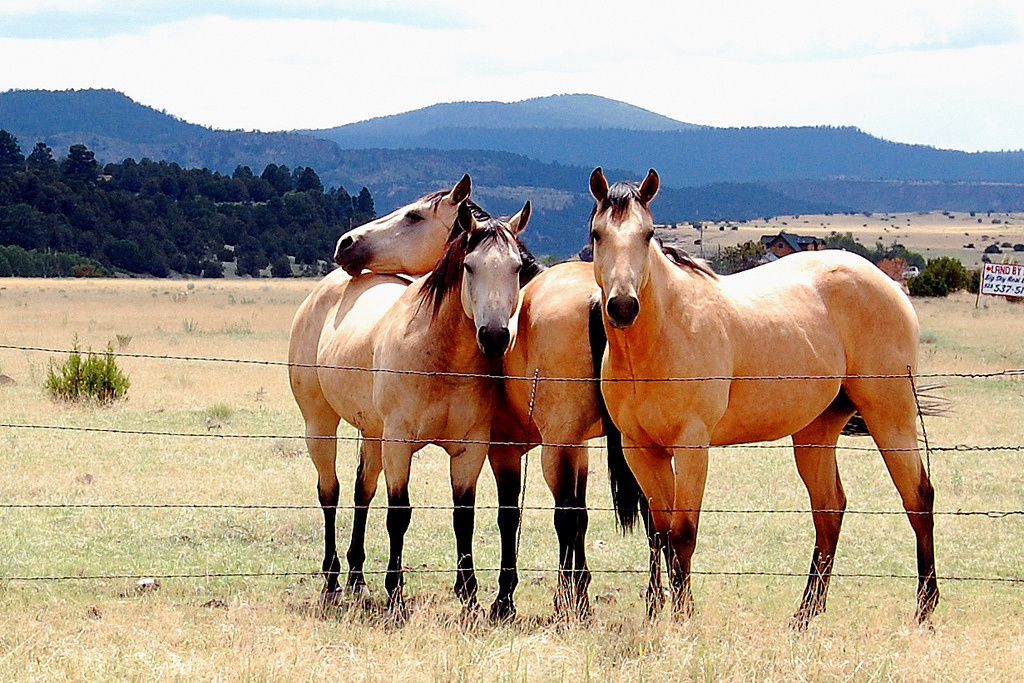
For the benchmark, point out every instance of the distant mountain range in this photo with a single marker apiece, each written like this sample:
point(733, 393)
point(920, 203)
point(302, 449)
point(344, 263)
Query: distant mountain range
point(544, 149)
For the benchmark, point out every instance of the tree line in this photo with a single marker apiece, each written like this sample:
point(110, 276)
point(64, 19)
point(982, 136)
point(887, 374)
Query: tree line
point(71, 216)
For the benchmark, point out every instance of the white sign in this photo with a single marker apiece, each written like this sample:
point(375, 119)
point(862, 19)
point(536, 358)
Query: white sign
point(1002, 279)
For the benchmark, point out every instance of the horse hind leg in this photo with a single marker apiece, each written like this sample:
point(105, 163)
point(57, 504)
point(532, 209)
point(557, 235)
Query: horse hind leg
point(367, 477)
point(465, 466)
point(506, 464)
point(322, 445)
point(891, 416)
point(815, 450)
point(562, 468)
point(581, 572)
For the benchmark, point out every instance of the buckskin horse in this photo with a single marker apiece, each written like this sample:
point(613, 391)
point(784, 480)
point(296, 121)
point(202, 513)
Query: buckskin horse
point(792, 348)
point(408, 364)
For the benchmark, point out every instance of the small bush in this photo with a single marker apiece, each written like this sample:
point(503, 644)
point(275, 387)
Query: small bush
point(926, 284)
point(941, 276)
point(90, 377)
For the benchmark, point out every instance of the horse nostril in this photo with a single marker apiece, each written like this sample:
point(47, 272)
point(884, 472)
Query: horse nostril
point(623, 310)
point(344, 243)
point(493, 340)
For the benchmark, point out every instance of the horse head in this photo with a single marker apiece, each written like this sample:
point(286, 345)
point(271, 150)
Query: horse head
point(483, 261)
point(621, 233)
point(408, 240)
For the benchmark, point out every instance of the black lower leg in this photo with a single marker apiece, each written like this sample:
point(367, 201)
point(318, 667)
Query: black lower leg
point(655, 592)
point(682, 545)
point(508, 527)
point(399, 515)
point(356, 554)
point(463, 516)
point(565, 519)
point(331, 565)
point(581, 570)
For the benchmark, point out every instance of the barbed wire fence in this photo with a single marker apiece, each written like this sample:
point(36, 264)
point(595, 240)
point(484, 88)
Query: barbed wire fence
point(1011, 373)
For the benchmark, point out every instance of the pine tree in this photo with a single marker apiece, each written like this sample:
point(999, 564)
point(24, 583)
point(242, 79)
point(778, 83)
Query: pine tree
point(11, 158)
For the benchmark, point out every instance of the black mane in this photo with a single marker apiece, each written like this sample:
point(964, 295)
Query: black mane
point(447, 273)
point(619, 196)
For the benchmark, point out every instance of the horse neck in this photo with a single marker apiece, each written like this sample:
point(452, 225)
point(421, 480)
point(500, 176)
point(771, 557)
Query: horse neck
point(667, 287)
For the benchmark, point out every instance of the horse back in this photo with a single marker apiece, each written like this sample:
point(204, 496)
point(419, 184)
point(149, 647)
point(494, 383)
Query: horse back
point(826, 314)
point(333, 329)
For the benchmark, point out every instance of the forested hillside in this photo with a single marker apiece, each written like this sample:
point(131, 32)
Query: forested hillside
point(543, 150)
point(155, 217)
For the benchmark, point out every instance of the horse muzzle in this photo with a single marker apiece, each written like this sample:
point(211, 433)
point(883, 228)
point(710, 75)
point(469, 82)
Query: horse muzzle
point(351, 254)
point(493, 340)
point(622, 310)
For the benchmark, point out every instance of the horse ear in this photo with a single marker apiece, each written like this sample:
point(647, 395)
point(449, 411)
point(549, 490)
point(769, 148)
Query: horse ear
point(464, 222)
point(460, 192)
point(598, 185)
point(517, 223)
point(649, 188)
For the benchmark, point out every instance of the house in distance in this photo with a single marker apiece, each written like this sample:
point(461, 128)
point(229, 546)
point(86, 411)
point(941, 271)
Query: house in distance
point(785, 244)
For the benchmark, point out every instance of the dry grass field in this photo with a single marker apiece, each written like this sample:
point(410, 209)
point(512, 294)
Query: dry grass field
point(201, 626)
point(929, 234)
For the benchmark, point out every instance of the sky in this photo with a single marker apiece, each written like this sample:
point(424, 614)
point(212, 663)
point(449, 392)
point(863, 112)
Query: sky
point(937, 72)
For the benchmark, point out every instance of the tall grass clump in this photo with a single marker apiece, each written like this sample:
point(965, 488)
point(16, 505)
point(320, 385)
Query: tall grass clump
point(87, 377)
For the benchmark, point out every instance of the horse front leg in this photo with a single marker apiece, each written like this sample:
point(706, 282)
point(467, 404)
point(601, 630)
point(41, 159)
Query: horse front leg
point(655, 595)
point(367, 475)
point(506, 463)
point(652, 467)
point(396, 455)
point(466, 462)
point(691, 470)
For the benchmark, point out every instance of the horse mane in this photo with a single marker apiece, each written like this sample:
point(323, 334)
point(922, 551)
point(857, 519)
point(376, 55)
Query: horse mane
point(680, 258)
point(531, 266)
point(619, 196)
point(447, 273)
point(434, 198)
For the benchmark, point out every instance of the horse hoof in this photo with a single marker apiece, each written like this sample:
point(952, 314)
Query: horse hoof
point(397, 613)
point(800, 622)
point(358, 591)
point(502, 611)
point(472, 614)
point(329, 597)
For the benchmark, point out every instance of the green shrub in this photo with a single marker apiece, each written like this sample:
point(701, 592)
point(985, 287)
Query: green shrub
point(90, 377)
point(941, 276)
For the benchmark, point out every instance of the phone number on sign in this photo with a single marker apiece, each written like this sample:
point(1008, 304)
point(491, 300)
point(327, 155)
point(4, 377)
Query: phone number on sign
point(1011, 290)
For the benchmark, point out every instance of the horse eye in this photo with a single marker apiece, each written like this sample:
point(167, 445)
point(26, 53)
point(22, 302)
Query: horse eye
point(649, 236)
point(413, 217)
point(469, 269)
point(594, 236)
point(519, 268)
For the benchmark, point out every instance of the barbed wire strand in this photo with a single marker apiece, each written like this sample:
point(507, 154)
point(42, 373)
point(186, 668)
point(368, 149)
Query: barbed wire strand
point(533, 570)
point(957, 448)
point(993, 514)
point(1009, 372)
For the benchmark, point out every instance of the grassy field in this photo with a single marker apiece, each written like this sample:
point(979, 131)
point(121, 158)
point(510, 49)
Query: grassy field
point(269, 628)
point(930, 234)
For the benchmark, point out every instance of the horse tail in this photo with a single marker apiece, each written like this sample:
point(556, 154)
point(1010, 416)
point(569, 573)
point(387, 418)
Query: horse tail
point(929, 398)
point(626, 494)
